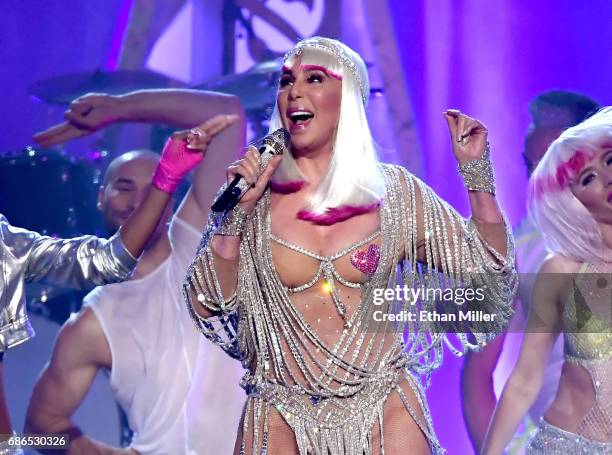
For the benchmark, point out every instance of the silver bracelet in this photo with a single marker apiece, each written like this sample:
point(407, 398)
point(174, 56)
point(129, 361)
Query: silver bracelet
point(231, 222)
point(478, 174)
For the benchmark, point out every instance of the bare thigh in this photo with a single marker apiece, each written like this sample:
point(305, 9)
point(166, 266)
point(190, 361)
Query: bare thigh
point(281, 439)
point(401, 433)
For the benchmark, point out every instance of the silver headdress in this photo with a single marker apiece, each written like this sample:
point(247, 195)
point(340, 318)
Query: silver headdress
point(345, 55)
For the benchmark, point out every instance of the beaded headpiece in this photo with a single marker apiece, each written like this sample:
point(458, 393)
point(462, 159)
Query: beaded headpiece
point(345, 55)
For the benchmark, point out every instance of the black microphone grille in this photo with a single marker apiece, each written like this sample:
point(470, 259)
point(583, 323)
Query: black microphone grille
point(279, 140)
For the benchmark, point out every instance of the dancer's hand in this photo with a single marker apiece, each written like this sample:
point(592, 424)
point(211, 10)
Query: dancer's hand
point(184, 151)
point(85, 115)
point(468, 135)
point(249, 168)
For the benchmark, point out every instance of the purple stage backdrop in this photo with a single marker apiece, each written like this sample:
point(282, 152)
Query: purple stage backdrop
point(485, 58)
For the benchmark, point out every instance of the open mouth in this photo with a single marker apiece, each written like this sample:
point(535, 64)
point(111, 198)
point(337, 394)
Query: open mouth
point(300, 117)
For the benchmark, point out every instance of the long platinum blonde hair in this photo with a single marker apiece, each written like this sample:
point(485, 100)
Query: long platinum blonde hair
point(353, 177)
point(568, 227)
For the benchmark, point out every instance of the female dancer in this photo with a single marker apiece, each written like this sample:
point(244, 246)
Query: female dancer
point(292, 281)
point(570, 197)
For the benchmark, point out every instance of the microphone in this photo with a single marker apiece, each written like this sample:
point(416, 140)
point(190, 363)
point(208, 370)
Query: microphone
point(273, 144)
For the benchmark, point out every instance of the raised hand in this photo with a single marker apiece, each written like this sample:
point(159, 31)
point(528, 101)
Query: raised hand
point(85, 115)
point(468, 135)
point(184, 151)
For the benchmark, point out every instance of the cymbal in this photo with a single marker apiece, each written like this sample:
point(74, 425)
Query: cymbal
point(64, 89)
point(255, 87)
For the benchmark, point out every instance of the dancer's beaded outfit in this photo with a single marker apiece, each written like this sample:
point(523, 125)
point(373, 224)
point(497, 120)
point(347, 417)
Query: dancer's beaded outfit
point(332, 393)
point(588, 344)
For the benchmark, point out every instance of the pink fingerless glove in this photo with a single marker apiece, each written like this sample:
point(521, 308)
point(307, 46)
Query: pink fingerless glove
point(176, 161)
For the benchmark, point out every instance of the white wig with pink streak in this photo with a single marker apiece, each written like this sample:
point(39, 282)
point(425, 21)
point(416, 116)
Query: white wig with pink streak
point(353, 183)
point(568, 227)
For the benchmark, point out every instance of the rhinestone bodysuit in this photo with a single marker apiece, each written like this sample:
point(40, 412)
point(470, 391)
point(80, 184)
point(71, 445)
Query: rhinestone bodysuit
point(331, 391)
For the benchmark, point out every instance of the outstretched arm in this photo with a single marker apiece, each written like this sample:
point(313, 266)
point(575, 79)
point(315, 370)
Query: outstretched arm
point(220, 152)
point(80, 351)
point(177, 107)
point(88, 261)
point(525, 380)
point(180, 108)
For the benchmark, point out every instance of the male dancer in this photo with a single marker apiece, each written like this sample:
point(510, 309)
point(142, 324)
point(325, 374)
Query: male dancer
point(178, 392)
point(83, 262)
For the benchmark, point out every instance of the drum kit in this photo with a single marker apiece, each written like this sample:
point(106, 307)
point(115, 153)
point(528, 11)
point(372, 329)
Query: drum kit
point(54, 193)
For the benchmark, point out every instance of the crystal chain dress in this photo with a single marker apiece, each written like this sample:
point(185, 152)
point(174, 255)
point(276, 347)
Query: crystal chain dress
point(332, 395)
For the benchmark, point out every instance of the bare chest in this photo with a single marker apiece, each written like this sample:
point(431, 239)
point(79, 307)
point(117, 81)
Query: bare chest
point(301, 248)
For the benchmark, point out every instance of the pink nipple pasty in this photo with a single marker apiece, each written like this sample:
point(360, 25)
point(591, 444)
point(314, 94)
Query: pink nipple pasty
point(366, 261)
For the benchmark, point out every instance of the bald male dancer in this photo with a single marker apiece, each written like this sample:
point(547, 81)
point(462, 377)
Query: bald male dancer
point(177, 391)
point(81, 263)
